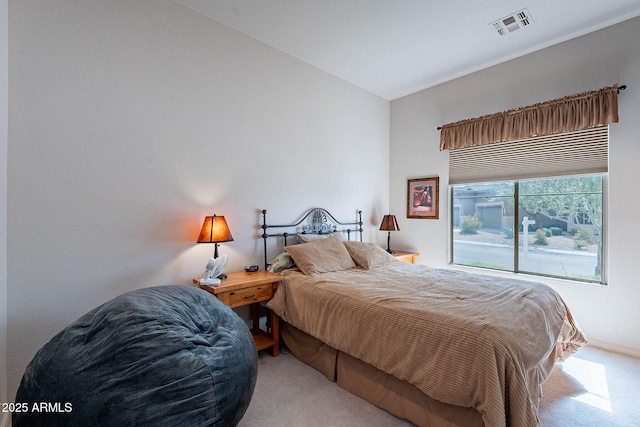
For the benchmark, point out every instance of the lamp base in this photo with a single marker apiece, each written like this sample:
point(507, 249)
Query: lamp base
point(389, 243)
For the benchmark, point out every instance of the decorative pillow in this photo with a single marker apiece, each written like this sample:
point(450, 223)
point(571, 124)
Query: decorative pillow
point(280, 263)
point(321, 256)
point(308, 238)
point(368, 255)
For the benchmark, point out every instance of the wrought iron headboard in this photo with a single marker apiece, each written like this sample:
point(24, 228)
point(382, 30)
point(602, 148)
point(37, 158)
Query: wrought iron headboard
point(317, 222)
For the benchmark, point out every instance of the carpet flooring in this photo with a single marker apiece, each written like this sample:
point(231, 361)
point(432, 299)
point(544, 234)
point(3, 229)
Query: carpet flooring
point(593, 388)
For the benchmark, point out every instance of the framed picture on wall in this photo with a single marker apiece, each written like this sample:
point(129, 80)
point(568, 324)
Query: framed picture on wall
point(422, 198)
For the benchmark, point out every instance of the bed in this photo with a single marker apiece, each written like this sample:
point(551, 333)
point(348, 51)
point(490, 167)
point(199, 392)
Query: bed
point(437, 347)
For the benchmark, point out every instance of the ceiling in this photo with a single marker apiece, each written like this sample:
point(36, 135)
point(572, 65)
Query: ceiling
point(393, 48)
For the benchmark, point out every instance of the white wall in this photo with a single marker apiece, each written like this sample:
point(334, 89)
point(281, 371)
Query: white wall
point(4, 55)
point(608, 315)
point(131, 121)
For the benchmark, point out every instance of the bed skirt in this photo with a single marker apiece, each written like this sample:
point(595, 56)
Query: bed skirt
point(398, 397)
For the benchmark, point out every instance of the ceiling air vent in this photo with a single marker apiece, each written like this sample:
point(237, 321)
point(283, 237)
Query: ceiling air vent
point(513, 22)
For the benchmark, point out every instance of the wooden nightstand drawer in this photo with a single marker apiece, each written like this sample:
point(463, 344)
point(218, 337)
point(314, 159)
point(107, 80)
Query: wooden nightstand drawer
point(250, 295)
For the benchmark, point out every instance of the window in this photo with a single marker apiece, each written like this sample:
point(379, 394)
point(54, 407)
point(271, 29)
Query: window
point(527, 186)
point(544, 226)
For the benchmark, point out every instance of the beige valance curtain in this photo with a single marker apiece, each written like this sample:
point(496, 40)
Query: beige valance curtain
point(572, 113)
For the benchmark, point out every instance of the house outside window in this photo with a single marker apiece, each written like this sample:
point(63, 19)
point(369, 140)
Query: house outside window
point(544, 226)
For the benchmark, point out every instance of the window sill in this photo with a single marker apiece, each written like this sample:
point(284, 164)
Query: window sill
point(551, 281)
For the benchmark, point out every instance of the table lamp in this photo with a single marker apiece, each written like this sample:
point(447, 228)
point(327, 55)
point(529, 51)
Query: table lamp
point(215, 230)
point(389, 224)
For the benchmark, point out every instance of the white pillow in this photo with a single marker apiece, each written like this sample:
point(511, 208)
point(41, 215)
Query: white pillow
point(308, 238)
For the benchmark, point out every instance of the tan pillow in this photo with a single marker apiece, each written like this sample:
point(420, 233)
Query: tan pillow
point(321, 256)
point(368, 255)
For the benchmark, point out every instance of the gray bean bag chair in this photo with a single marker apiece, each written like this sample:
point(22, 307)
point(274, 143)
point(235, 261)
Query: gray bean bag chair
point(160, 356)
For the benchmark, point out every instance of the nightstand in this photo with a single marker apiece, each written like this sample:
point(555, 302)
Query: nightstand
point(409, 257)
point(242, 288)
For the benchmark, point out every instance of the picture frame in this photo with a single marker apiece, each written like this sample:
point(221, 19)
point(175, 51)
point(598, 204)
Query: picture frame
point(423, 198)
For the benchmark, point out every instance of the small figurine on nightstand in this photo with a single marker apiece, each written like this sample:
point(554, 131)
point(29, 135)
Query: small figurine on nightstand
point(213, 270)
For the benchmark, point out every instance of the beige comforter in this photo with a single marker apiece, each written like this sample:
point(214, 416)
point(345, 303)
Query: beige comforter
point(465, 339)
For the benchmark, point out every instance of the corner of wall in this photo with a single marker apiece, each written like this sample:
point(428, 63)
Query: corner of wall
point(4, 125)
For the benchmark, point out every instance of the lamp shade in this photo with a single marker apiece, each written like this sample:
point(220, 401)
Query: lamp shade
point(215, 230)
point(389, 223)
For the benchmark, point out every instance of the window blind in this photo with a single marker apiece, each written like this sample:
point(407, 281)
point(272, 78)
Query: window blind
point(569, 153)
